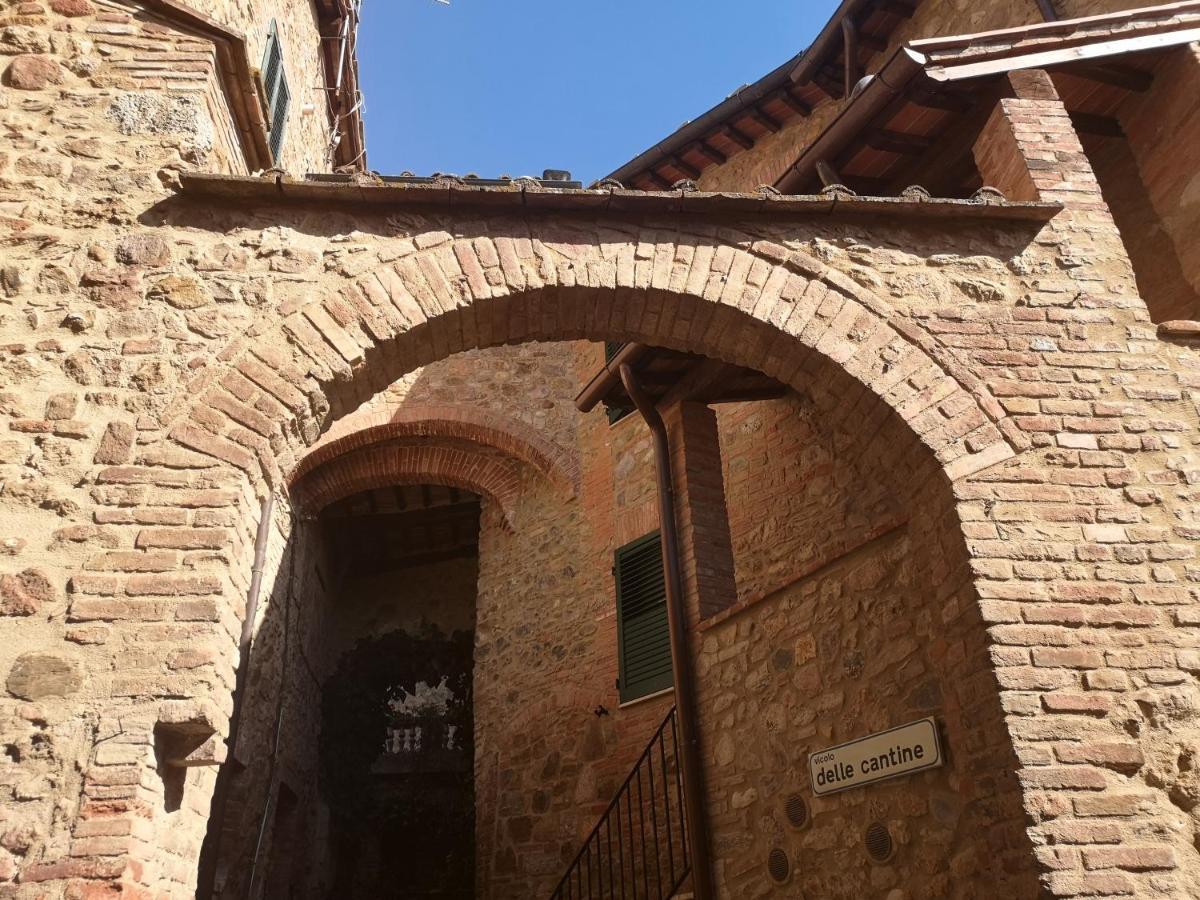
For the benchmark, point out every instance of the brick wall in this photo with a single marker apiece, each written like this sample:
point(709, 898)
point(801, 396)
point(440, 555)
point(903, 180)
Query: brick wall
point(1020, 355)
point(792, 506)
point(292, 651)
point(1162, 128)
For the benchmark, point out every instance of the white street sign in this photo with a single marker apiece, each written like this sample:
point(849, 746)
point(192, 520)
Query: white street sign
point(898, 751)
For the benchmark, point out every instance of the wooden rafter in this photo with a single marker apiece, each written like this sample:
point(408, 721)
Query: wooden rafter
point(1100, 126)
point(765, 120)
point(903, 8)
point(685, 167)
point(738, 136)
point(711, 153)
point(896, 142)
point(951, 149)
point(1126, 77)
point(792, 102)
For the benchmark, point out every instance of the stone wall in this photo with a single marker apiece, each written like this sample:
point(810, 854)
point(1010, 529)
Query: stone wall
point(280, 720)
point(1158, 267)
point(306, 143)
point(546, 764)
point(168, 361)
point(793, 504)
point(531, 383)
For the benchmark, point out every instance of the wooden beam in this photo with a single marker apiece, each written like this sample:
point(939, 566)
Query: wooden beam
point(948, 101)
point(1049, 13)
point(738, 136)
point(685, 167)
point(700, 377)
point(829, 82)
point(872, 42)
point(1100, 126)
point(1117, 75)
point(902, 8)
point(409, 517)
point(659, 182)
point(794, 103)
point(765, 120)
point(952, 149)
point(714, 155)
point(897, 142)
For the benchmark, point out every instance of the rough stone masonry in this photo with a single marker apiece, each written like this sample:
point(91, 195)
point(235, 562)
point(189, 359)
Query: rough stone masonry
point(976, 500)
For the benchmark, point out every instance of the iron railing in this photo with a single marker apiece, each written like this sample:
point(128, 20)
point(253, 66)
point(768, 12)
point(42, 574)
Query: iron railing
point(638, 849)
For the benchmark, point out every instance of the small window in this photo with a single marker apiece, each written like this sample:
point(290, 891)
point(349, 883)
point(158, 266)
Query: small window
point(615, 413)
point(643, 638)
point(279, 95)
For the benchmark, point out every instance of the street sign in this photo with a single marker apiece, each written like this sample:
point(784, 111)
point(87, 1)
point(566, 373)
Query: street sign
point(898, 751)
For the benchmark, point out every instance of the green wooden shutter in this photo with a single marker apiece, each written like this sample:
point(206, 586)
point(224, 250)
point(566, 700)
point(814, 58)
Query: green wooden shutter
point(279, 95)
point(643, 638)
point(615, 413)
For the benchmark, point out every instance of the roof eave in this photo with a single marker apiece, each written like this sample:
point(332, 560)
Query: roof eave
point(363, 191)
point(742, 99)
point(888, 83)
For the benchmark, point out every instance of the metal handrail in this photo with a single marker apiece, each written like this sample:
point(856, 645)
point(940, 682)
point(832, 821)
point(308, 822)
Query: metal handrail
point(638, 850)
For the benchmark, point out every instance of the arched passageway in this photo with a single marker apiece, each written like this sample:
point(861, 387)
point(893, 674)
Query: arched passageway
point(901, 397)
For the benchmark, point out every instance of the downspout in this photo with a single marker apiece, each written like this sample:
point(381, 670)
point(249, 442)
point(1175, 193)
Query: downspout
point(1049, 13)
point(211, 850)
point(885, 86)
point(681, 660)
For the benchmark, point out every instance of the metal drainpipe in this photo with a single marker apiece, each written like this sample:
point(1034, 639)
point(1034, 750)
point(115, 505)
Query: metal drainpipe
point(206, 881)
point(1049, 13)
point(681, 660)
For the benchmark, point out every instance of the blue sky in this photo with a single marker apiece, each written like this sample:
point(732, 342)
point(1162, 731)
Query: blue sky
point(517, 86)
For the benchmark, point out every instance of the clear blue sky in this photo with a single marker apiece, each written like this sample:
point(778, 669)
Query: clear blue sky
point(517, 86)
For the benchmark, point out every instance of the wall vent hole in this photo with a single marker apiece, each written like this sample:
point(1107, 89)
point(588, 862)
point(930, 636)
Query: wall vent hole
point(778, 866)
point(879, 842)
point(796, 811)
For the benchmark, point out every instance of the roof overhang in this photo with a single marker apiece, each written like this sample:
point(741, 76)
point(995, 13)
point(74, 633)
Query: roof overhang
point(932, 73)
point(357, 192)
point(1060, 43)
point(338, 24)
point(818, 75)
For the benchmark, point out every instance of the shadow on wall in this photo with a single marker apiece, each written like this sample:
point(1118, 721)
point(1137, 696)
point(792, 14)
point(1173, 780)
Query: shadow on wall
point(353, 775)
point(402, 821)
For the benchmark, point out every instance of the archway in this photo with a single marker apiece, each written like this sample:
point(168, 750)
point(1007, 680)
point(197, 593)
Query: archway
point(883, 387)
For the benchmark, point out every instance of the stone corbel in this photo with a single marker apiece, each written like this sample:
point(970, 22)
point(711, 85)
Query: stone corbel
point(187, 734)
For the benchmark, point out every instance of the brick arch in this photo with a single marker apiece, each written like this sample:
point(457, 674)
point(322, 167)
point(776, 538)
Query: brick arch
point(758, 305)
point(272, 392)
point(505, 434)
point(380, 465)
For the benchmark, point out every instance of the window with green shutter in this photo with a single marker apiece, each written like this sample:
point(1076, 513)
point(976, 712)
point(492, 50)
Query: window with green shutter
point(279, 95)
point(643, 639)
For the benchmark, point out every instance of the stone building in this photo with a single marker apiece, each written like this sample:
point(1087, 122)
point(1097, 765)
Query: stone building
point(448, 537)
